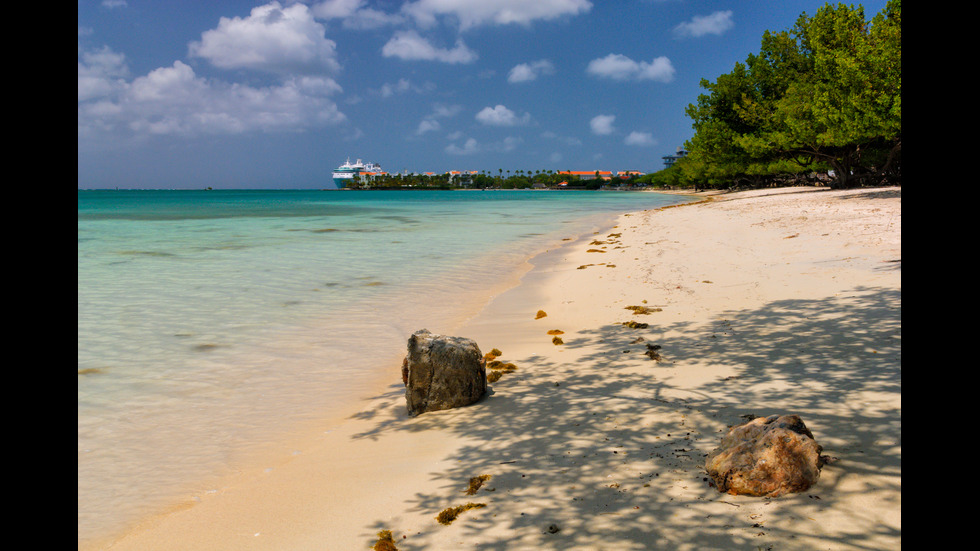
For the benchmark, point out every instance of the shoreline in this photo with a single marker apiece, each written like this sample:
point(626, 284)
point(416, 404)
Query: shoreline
point(757, 291)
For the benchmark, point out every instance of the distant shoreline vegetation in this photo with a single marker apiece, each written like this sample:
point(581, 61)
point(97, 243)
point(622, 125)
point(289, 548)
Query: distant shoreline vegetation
point(540, 179)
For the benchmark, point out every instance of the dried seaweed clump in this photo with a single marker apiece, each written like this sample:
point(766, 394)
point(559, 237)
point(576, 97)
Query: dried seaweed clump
point(636, 325)
point(556, 332)
point(556, 341)
point(540, 314)
point(497, 364)
point(494, 353)
point(643, 309)
point(385, 542)
point(475, 483)
point(447, 516)
point(91, 371)
point(494, 376)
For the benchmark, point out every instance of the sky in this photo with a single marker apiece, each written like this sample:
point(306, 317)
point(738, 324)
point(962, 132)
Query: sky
point(185, 94)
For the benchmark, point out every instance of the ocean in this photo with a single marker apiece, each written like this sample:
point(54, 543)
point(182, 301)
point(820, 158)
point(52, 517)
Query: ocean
point(212, 322)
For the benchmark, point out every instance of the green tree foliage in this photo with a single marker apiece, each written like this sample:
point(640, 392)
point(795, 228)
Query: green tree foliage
point(827, 93)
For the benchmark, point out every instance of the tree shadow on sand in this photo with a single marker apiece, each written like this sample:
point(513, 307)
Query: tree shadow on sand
point(613, 456)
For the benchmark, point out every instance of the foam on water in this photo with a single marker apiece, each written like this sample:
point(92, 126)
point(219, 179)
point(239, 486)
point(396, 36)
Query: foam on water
point(210, 322)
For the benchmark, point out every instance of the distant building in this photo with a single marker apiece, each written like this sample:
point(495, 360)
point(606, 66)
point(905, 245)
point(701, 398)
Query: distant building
point(669, 160)
point(462, 178)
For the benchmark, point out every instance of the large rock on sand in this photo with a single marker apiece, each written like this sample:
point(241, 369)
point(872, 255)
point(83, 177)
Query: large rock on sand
point(442, 372)
point(768, 456)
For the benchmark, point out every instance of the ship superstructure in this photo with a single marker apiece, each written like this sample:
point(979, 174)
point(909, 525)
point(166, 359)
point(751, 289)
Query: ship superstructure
point(344, 174)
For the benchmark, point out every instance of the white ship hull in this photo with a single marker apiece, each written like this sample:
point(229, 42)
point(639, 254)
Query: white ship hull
point(347, 172)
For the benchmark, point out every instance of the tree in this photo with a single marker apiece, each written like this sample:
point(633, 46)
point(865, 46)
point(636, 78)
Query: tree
point(826, 93)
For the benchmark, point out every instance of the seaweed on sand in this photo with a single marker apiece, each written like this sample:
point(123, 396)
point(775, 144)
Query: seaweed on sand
point(447, 516)
point(475, 483)
point(385, 542)
point(643, 309)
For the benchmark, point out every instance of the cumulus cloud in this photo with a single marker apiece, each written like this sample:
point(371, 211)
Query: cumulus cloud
point(272, 39)
point(175, 101)
point(524, 72)
point(409, 45)
point(639, 139)
point(602, 124)
point(501, 116)
point(472, 13)
point(700, 25)
point(620, 67)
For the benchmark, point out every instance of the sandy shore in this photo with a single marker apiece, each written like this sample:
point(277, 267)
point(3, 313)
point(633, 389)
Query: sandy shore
point(770, 301)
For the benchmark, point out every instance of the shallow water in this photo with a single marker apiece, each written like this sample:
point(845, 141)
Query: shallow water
point(211, 322)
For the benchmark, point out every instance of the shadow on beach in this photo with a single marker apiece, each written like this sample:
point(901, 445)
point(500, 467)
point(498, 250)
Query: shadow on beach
point(606, 451)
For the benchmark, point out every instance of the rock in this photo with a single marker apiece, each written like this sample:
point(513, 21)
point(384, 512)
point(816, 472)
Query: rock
point(767, 456)
point(442, 372)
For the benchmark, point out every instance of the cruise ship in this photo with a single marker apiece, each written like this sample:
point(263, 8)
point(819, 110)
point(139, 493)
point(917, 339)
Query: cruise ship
point(345, 173)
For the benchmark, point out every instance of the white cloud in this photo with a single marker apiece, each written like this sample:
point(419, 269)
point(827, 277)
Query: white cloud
point(471, 146)
point(446, 110)
point(388, 89)
point(700, 25)
point(101, 73)
point(620, 67)
point(566, 140)
point(501, 116)
point(427, 125)
point(410, 45)
point(353, 14)
point(272, 39)
point(174, 101)
point(640, 139)
point(529, 71)
point(472, 13)
point(602, 124)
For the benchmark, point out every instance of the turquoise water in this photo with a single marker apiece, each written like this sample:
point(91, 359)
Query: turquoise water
point(211, 321)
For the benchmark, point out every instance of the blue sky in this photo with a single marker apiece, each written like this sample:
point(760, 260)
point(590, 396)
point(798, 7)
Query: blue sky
point(257, 94)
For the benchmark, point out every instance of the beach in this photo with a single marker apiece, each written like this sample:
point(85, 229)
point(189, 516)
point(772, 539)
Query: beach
point(761, 302)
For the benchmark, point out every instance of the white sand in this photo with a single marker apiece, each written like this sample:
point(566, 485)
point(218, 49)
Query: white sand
point(772, 301)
